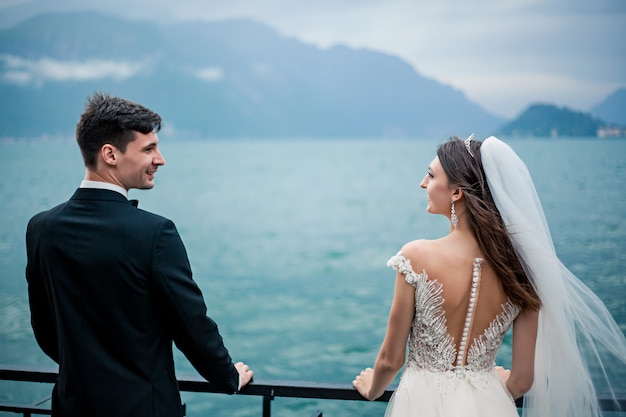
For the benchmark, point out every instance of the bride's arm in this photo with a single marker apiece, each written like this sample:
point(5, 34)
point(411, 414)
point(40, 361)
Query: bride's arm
point(371, 384)
point(522, 372)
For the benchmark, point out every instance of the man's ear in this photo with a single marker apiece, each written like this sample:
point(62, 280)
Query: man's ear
point(108, 153)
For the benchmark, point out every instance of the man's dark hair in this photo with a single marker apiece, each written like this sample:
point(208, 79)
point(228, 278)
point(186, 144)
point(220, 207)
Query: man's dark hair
point(112, 120)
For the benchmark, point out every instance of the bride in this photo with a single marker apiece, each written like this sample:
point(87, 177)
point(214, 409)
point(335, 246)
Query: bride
point(456, 297)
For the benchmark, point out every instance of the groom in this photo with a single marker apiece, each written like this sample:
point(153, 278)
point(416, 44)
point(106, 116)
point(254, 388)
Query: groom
point(110, 286)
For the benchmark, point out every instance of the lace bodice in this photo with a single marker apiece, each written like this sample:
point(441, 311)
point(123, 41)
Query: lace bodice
point(431, 348)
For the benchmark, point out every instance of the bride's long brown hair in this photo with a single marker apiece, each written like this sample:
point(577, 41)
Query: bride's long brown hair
point(466, 172)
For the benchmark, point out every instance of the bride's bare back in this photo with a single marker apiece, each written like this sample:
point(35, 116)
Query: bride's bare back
point(451, 264)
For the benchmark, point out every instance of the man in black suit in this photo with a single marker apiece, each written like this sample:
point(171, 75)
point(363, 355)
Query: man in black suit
point(110, 286)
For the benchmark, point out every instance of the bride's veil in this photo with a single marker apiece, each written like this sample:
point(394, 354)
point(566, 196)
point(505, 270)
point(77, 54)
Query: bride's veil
point(577, 335)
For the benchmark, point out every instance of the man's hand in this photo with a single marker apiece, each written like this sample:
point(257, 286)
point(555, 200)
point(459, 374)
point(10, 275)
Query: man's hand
point(245, 373)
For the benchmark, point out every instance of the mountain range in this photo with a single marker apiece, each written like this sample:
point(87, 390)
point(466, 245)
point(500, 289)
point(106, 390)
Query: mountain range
point(233, 78)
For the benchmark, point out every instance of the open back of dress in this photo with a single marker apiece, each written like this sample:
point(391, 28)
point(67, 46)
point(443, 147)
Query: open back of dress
point(442, 377)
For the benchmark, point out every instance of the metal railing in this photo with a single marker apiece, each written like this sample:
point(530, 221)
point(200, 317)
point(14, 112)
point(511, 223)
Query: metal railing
point(268, 390)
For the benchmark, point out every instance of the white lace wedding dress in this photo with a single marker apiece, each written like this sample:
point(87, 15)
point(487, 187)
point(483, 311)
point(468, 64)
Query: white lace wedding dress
point(436, 380)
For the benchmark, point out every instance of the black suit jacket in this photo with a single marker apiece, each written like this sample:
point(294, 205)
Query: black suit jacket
point(110, 288)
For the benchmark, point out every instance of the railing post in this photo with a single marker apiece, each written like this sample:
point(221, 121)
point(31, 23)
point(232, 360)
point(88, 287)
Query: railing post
point(267, 405)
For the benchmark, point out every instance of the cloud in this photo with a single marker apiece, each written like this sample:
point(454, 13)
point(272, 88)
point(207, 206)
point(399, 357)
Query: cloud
point(215, 74)
point(211, 74)
point(26, 71)
point(261, 68)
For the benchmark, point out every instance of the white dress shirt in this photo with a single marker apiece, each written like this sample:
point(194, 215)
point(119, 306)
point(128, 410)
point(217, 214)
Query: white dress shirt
point(104, 186)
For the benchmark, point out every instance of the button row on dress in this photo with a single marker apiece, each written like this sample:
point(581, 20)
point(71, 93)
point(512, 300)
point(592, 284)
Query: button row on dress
point(470, 312)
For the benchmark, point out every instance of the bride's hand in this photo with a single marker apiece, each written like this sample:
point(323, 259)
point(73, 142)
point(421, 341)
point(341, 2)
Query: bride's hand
point(503, 373)
point(363, 382)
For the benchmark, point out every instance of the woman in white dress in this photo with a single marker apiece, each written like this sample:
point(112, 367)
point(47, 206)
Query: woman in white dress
point(456, 297)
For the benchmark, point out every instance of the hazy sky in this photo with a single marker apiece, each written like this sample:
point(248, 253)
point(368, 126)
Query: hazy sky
point(503, 54)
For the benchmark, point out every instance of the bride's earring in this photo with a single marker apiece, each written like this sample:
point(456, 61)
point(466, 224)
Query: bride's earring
point(453, 218)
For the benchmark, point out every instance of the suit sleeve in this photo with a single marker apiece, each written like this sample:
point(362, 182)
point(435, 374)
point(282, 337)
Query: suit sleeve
point(194, 333)
point(41, 313)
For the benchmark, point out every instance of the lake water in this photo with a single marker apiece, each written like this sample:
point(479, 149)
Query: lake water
point(288, 241)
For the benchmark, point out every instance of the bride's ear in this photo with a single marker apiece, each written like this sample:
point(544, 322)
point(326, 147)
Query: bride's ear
point(457, 194)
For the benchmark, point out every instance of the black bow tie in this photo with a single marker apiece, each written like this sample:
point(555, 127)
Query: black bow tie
point(134, 203)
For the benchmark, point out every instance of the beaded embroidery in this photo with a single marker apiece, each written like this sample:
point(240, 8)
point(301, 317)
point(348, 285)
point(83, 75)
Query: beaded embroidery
point(432, 349)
